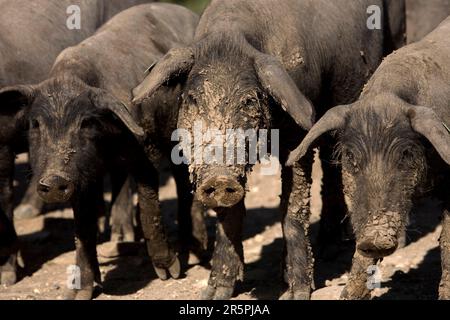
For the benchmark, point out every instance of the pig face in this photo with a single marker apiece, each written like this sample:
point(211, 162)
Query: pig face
point(383, 163)
point(220, 100)
point(382, 150)
point(72, 129)
point(227, 85)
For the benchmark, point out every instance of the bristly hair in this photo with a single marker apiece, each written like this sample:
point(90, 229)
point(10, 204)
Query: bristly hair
point(382, 132)
point(58, 97)
point(223, 47)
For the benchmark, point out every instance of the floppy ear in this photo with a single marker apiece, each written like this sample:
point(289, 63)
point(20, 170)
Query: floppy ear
point(277, 82)
point(175, 63)
point(334, 119)
point(13, 102)
point(426, 122)
point(104, 100)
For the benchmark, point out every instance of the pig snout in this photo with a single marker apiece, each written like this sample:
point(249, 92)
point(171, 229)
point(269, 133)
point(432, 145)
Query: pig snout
point(378, 247)
point(220, 191)
point(380, 237)
point(55, 189)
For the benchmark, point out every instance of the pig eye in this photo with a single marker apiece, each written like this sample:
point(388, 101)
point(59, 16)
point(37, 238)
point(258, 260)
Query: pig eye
point(191, 99)
point(251, 101)
point(350, 158)
point(407, 155)
point(34, 124)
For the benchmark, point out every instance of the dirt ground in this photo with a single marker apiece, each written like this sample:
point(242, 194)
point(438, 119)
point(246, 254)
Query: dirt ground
point(413, 272)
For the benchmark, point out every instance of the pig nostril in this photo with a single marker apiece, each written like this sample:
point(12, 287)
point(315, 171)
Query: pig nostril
point(368, 251)
point(210, 191)
point(44, 188)
point(230, 190)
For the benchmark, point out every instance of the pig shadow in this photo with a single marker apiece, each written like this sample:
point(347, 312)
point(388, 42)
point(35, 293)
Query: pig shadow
point(424, 219)
point(40, 247)
point(133, 273)
point(129, 275)
point(421, 283)
point(263, 277)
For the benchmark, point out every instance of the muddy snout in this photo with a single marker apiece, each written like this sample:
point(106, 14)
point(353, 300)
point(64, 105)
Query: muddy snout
point(55, 189)
point(380, 237)
point(377, 247)
point(220, 191)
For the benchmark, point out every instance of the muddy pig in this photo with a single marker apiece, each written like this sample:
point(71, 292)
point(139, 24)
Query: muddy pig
point(79, 127)
point(270, 65)
point(394, 144)
point(32, 34)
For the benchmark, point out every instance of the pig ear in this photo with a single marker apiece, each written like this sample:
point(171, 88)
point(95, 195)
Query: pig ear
point(177, 62)
point(13, 104)
point(277, 82)
point(15, 99)
point(334, 119)
point(104, 100)
point(426, 122)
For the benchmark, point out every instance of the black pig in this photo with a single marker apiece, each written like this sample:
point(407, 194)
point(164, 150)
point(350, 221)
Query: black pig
point(32, 34)
point(260, 65)
point(80, 127)
point(393, 140)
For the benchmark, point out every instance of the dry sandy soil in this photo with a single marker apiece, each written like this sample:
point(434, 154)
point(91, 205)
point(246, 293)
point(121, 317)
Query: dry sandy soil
point(412, 272)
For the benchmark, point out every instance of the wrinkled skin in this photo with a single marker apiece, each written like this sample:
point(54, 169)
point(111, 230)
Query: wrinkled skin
point(240, 74)
point(394, 146)
point(26, 56)
point(79, 128)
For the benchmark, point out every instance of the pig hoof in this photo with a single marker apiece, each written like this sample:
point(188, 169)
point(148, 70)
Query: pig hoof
point(223, 293)
point(208, 293)
point(287, 295)
point(219, 293)
point(26, 211)
point(8, 278)
point(161, 273)
point(84, 294)
point(116, 237)
point(350, 295)
point(291, 294)
point(174, 270)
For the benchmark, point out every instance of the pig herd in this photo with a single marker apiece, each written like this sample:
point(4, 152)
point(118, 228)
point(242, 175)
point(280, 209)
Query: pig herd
point(106, 99)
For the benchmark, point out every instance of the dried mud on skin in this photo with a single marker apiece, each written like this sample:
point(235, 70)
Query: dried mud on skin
point(412, 272)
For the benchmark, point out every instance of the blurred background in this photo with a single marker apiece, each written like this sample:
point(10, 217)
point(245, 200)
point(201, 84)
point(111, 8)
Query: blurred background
point(195, 5)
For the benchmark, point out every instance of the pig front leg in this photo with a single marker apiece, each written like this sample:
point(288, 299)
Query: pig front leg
point(357, 286)
point(295, 206)
point(31, 204)
point(8, 236)
point(86, 210)
point(228, 256)
point(444, 287)
point(165, 260)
